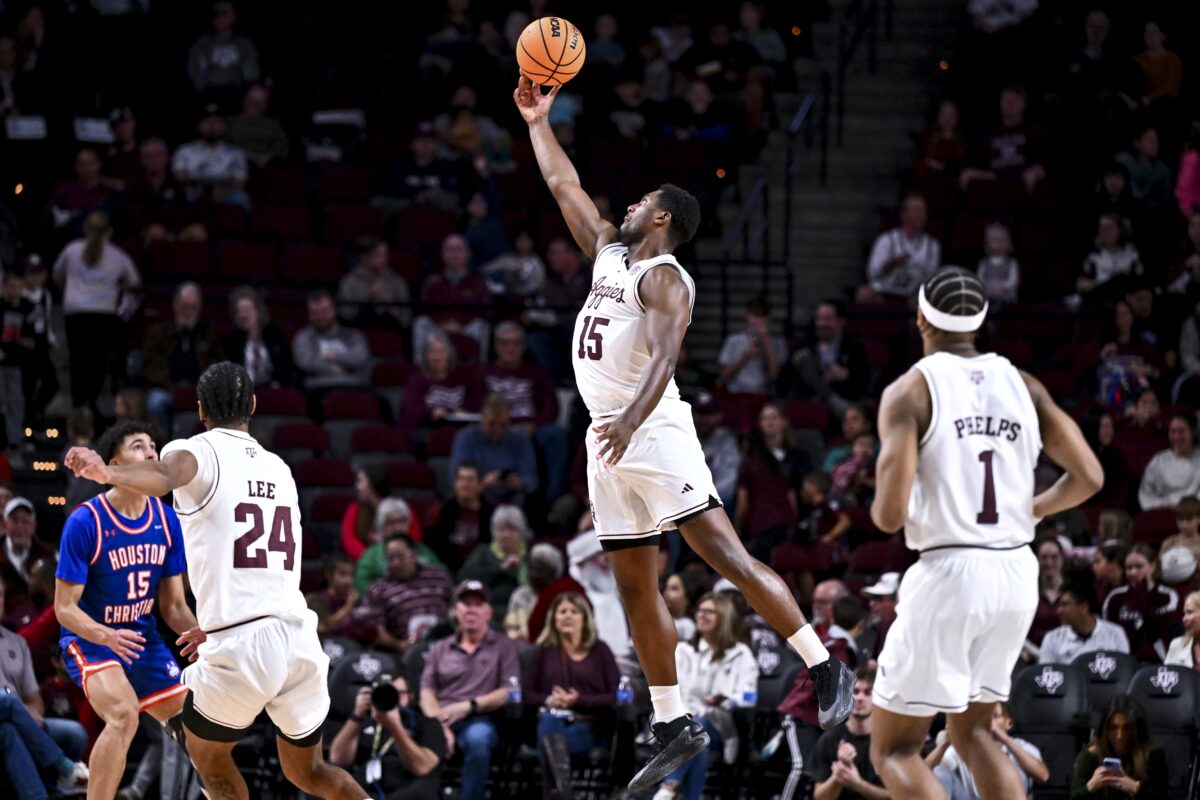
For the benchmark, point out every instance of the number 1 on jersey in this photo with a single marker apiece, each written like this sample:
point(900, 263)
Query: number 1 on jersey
point(591, 343)
point(989, 515)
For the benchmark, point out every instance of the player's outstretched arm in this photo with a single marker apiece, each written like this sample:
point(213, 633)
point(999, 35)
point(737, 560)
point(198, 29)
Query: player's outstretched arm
point(150, 478)
point(591, 231)
point(126, 644)
point(1064, 443)
point(904, 404)
point(668, 311)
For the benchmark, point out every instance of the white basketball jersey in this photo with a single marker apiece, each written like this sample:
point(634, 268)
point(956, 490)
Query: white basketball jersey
point(974, 483)
point(609, 347)
point(241, 530)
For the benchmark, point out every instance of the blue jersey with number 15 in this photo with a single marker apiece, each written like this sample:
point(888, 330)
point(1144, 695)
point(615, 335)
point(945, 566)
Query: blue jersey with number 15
point(120, 561)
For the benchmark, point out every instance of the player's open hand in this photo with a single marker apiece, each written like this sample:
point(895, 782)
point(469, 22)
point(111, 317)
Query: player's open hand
point(126, 644)
point(613, 438)
point(190, 642)
point(87, 463)
point(530, 101)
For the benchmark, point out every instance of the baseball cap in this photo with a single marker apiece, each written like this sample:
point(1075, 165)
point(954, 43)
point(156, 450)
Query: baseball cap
point(1178, 565)
point(705, 404)
point(725, 586)
point(887, 586)
point(18, 502)
point(472, 587)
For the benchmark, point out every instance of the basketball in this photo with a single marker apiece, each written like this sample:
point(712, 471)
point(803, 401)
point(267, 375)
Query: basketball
point(550, 51)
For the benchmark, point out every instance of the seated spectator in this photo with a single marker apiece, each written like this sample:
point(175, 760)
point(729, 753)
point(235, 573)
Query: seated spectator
point(853, 478)
point(122, 163)
point(41, 376)
point(572, 682)
point(468, 133)
point(943, 150)
point(1175, 473)
point(1081, 631)
point(458, 299)
point(717, 674)
point(501, 564)
point(22, 549)
point(1149, 178)
point(854, 421)
point(224, 59)
point(334, 603)
point(424, 179)
point(399, 608)
point(1123, 733)
point(698, 117)
point(550, 318)
point(605, 45)
point(998, 270)
point(1142, 419)
point(593, 575)
point(1127, 364)
point(1189, 348)
point(71, 200)
point(158, 201)
point(176, 351)
point(1052, 561)
point(720, 446)
point(850, 627)
point(1015, 150)
point(1117, 475)
point(260, 137)
point(16, 353)
point(1112, 195)
point(393, 517)
point(1114, 255)
point(679, 605)
point(629, 112)
point(130, 404)
point(1183, 651)
point(29, 750)
point(518, 271)
point(1187, 517)
point(505, 457)
point(18, 89)
point(549, 588)
point(210, 168)
point(902, 258)
point(833, 367)
point(467, 676)
point(408, 765)
point(1187, 185)
point(532, 399)
point(762, 635)
point(437, 393)
point(952, 770)
point(255, 342)
point(881, 602)
point(1108, 568)
point(820, 535)
point(1161, 68)
point(546, 565)
point(330, 355)
point(1146, 609)
point(824, 596)
point(841, 765)
point(486, 235)
point(372, 294)
point(766, 500)
point(750, 360)
point(464, 520)
point(359, 531)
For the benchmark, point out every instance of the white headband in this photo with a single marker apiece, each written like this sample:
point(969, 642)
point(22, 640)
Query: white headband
point(950, 322)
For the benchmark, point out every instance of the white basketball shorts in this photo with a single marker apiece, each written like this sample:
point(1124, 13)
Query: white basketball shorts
point(661, 479)
point(274, 664)
point(961, 620)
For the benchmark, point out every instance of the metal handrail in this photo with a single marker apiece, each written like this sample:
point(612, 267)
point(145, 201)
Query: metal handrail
point(860, 21)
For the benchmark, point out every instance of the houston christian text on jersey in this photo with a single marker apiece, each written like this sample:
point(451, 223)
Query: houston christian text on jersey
point(610, 332)
point(120, 561)
point(974, 482)
point(241, 525)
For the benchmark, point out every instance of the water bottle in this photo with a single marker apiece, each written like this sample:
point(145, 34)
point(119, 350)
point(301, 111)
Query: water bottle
point(750, 698)
point(514, 690)
point(624, 691)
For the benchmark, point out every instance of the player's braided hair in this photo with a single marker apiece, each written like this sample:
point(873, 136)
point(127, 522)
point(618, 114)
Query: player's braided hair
point(115, 436)
point(226, 393)
point(685, 212)
point(954, 290)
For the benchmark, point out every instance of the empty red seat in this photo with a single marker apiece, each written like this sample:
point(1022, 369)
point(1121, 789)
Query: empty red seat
point(406, 264)
point(465, 347)
point(441, 441)
point(346, 224)
point(300, 436)
point(290, 223)
point(228, 219)
point(280, 401)
point(324, 472)
point(314, 264)
point(351, 404)
point(391, 373)
point(277, 183)
point(417, 226)
point(185, 399)
point(741, 410)
point(379, 439)
point(177, 260)
point(411, 475)
point(247, 260)
point(1154, 526)
point(385, 344)
point(344, 184)
point(330, 507)
point(993, 196)
point(808, 414)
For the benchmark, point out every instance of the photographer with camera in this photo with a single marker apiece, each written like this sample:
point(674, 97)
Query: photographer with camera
point(389, 745)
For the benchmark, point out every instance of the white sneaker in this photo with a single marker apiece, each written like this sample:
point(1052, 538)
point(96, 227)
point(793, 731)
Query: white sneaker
point(78, 775)
point(665, 792)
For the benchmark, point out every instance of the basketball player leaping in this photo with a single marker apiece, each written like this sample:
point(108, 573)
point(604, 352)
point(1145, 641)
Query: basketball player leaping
point(961, 436)
point(240, 515)
point(646, 471)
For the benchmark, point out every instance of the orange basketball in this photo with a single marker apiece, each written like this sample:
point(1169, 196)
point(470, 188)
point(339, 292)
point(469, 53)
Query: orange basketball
point(550, 51)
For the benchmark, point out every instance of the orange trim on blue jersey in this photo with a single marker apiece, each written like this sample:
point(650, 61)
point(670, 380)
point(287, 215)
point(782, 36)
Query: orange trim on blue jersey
point(117, 520)
point(87, 670)
point(99, 533)
point(162, 515)
point(159, 697)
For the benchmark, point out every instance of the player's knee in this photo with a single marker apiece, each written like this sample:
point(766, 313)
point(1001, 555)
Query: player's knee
point(122, 719)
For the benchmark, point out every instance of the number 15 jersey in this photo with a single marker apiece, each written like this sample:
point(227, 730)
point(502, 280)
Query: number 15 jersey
point(974, 482)
point(609, 346)
point(241, 527)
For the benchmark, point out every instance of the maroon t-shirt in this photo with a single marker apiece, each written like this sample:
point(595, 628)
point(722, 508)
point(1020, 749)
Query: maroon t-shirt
point(71, 196)
point(463, 300)
point(768, 505)
point(423, 394)
point(529, 390)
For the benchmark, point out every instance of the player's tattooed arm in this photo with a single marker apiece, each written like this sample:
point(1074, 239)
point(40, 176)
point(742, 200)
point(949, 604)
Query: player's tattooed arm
point(150, 478)
point(903, 411)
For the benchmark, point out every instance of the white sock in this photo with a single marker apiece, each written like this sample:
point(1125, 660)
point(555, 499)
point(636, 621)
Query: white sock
point(668, 703)
point(809, 646)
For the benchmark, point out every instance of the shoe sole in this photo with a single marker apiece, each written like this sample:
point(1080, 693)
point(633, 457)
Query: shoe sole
point(673, 756)
point(839, 712)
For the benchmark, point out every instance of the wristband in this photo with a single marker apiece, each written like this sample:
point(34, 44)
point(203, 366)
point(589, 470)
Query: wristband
point(474, 706)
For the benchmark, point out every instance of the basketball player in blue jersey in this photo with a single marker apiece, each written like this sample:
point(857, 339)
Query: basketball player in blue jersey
point(646, 470)
point(120, 553)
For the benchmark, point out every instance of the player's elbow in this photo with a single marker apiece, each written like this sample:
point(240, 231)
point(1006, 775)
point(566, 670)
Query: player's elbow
point(888, 517)
point(1093, 476)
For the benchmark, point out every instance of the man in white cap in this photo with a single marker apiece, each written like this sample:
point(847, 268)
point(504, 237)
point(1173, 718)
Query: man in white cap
point(881, 601)
point(961, 435)
point(22, 549)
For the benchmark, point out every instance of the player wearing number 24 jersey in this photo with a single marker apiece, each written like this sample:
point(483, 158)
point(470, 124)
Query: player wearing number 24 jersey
point(239, 511)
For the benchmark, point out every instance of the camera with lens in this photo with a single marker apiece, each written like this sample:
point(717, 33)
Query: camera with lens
point(384, 695)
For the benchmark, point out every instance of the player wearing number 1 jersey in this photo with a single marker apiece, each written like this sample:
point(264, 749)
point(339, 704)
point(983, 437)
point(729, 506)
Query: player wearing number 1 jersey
point(240, 514)
point(961, 433)
point(646, 469)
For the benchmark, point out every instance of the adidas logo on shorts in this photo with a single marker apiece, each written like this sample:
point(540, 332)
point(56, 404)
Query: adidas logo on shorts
point(687, 487)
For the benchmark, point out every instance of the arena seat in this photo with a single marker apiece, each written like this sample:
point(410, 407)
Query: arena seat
point(280, 183)
point(344, 184)
point(1048, 704)
point(348, 224)
point(465, 347)
point(741, 410)
point(325, 518)
point(1154, 526)
point(288, 223)
point(1105, 675)
point(418, 226)
point(313, 264)
point(177, 260)
point(317, 476)
point(412, 479)
point(247, 261)
point(355, 672)
point(345, 410)
point(276, 405)
point(296, 441)
point(808, 414)
point(1170, 696)
point(388, 379)
point(375, 444)
point(385, 345)
point(339, 648)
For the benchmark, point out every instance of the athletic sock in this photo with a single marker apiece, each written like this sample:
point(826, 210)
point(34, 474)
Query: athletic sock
point(64, 766)
point(668, 703)
point(808, 645)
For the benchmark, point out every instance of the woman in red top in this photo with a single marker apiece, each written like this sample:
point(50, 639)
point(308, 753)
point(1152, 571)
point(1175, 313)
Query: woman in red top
point(370, 485)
